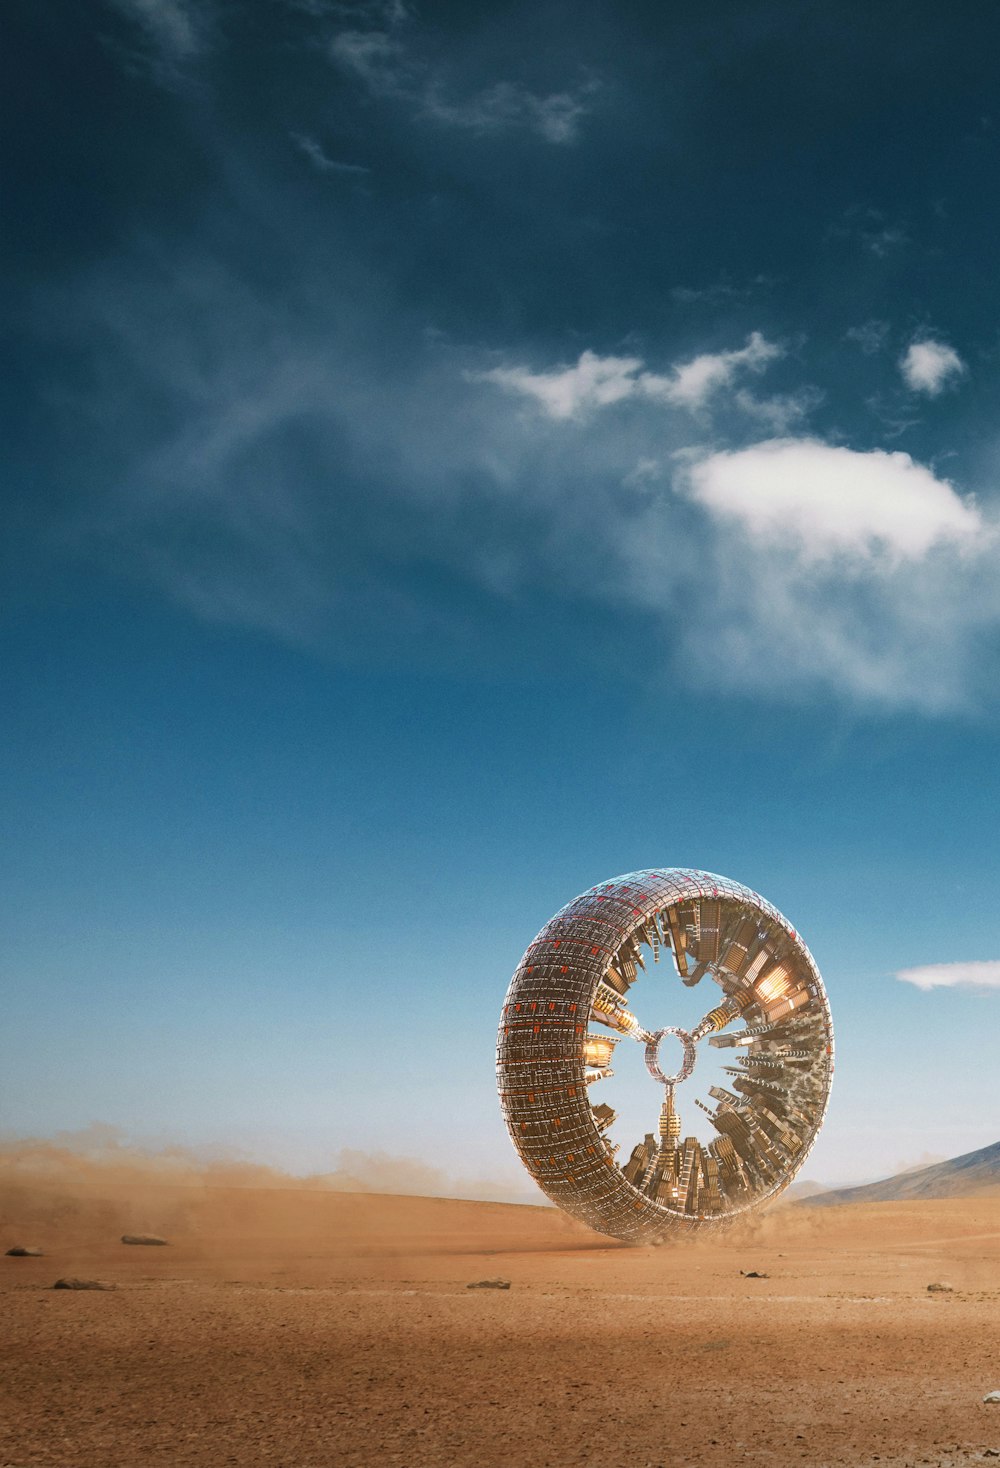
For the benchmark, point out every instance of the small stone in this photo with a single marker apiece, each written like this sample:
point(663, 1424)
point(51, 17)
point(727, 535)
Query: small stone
point(70, 1282)
point(142, 1239)
point(19, 1252)
point(754, 1274)
point(993, 1397)
point(489, 1284)
point(939, 1288)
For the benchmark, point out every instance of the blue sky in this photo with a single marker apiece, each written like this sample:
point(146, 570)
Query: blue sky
point(455, 454)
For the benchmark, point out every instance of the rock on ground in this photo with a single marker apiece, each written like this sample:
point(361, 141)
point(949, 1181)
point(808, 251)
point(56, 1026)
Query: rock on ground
point(20, 1252)
point(70, 1282)
point(142, 1239)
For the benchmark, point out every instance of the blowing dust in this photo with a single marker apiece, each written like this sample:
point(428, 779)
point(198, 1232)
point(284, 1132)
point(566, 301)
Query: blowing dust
point(94, 1186)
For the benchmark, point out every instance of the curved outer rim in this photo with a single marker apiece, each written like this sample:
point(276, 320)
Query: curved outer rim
point(540, 1068)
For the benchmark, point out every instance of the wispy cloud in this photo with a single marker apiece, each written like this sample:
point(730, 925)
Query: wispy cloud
point(822, 568)
point(870, 336)
point(379, 57)
point(928, 366)
point(507, 105)
point(595, 382)
point(882, 242)
point(320, 159)
point(873, 231)
point(294, 465)
point(984, 974)
point(779, 413)
point(721, 291)
point(175, 30)
point(894, 411)
point(379, 60)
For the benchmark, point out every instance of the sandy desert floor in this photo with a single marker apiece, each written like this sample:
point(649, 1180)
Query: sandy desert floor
point(311, 1329)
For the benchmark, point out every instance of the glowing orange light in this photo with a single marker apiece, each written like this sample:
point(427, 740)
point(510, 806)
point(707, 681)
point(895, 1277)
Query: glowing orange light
point(773, 985)
point(597, 1051)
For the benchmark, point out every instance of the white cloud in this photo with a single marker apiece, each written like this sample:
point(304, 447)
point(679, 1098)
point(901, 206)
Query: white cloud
point(691, 384)
point(830, 570)
point(833, 501)
point(984, 974)
point(814, 569)
point(569, 392)
point(595, 382)
point(928, 366)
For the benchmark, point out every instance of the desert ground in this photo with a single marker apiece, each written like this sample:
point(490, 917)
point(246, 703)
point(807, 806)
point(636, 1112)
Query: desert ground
point(310, 1328)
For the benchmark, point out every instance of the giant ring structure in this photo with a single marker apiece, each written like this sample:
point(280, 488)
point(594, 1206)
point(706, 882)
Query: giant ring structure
point(568, 1007)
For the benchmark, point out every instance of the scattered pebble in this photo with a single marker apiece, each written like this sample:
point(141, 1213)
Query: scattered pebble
point(992, 1397)
point(941, 1289)
point(142, 1239)
point(489, 1284)
point(19, 1252)
point(754, 1274)
point(70, 1282)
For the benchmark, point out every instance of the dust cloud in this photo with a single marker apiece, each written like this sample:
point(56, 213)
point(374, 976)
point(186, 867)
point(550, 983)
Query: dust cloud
point(96, 1179)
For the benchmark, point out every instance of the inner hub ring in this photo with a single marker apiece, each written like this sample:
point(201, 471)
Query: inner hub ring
point(652, 1056)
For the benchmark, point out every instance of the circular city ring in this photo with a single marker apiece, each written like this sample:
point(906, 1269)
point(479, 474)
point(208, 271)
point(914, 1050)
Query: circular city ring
point(574, 998)
point(652, 1056)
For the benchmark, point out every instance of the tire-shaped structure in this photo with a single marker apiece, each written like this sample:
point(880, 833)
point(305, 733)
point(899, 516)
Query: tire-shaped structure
point(567, 1008)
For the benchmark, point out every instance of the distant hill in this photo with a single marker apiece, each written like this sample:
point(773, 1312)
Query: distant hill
point(975, 1172)
point(798, 1192)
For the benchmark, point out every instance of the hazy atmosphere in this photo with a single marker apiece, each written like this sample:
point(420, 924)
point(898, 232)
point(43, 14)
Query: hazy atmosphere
point(455, 454)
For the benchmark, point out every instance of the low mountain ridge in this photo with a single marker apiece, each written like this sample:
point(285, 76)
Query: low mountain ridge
point(973, 1172)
